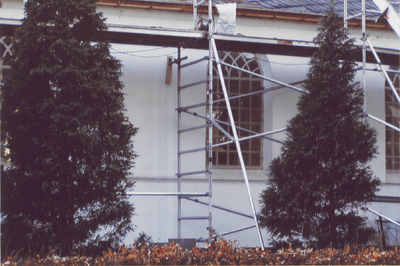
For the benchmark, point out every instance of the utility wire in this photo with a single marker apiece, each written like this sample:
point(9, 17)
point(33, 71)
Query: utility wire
point(134, 53)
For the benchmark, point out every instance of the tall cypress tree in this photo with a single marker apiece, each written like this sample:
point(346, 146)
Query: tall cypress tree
point(63, 122)
point(321, 177)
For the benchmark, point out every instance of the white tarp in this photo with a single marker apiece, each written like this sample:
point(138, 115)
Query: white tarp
point(227, 18)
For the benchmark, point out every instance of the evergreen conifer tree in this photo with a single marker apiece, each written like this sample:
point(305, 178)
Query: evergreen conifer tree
point(70, 142)
point(321, 177)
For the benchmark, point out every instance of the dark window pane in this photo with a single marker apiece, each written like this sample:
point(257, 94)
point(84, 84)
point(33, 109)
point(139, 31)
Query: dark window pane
point(222, 159)
point(235, 113)
point(234, 73)
point(256, 128)
point(245, 125)
point(396, 150)
point(223, 115)
point(245, 115)
point(256, 144)
point(240, 61)
point(246, 158)
point(245, 145)
point(232, 147)
point(244, 86)
point(256, 116)
point(234, 86)
point(389, 149)
point(256, 100)
point(245, 75)
point(245, 102)
point(388, 135)
point(233, 159)
point(396, 165)
point(253, 64)
point(396, 83)
point(255, 159)
point(389, 163)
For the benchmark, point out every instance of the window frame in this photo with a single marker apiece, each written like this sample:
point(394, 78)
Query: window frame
point(248, 111)
point(392, 116)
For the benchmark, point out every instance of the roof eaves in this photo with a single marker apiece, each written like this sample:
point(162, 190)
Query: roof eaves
point(244, 10)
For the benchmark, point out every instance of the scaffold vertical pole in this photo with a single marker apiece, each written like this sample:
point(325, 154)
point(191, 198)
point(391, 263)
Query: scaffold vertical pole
point(210, 117)
point(364, 55)
point(236, 139)
point(178, 175)
point(345, 14)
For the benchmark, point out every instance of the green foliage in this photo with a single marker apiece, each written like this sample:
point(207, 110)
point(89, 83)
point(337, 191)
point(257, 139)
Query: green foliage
point(321, 177)
point(70, 142)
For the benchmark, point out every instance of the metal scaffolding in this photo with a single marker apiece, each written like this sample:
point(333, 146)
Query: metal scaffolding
point(213, 59)
point(208, 122)
point(386, 12)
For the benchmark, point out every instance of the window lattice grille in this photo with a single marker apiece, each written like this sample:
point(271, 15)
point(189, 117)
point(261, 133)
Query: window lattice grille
point(247, 111)
point(393, 117)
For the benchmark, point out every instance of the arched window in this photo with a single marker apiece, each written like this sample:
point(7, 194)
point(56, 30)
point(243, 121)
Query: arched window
point(247, 109)
point(392, 108)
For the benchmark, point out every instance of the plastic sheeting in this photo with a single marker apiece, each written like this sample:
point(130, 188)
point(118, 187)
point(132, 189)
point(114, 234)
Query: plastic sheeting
point(226, 23)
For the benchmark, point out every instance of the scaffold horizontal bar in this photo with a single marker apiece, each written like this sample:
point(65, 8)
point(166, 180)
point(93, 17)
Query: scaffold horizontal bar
point(194, 62)
point(264, 77)
point(251, 137)
point(384, 122)
point(194, 218)
point(192, 173)
point(191, 128)
point(193, 84)
point(387, 70)
point(353, 17)
point(199, 4)
point(215, 123)
point(192, 106)
point(184, 108)
point(195, 114)
point(246, 130)
point(389, 81)
point(383, 216)
point(237, 230)
point(220, 208)
point(193, 150)
point(264, 134)
point(180, 194)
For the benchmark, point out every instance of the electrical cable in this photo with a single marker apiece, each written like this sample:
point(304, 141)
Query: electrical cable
point(132, 53)
point(140, 51)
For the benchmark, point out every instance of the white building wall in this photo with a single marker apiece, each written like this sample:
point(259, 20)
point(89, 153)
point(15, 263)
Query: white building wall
point(157, 138)
point(151, 107)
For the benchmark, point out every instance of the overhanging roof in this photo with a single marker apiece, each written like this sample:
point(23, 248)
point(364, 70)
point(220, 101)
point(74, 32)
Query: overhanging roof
point(198, 40)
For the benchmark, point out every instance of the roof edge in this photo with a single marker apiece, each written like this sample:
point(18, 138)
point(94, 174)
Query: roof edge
point(241, 12)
